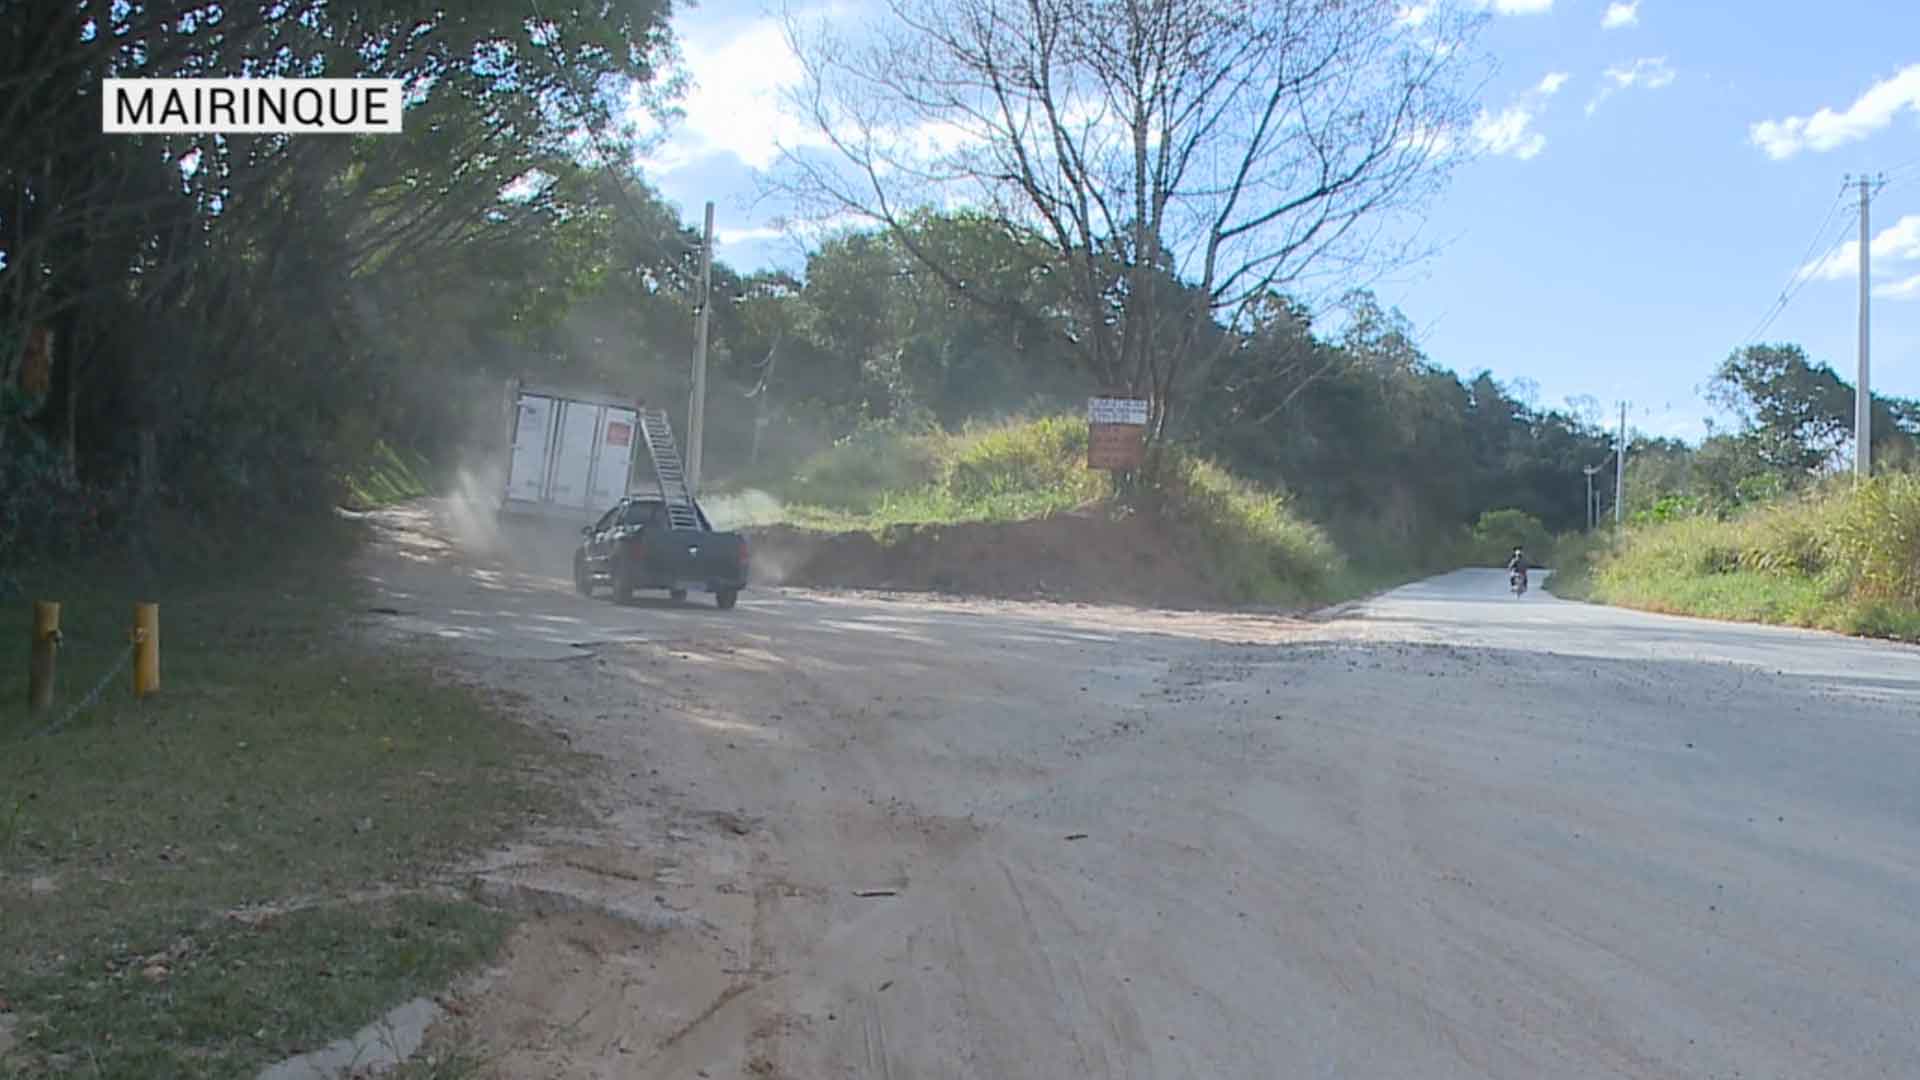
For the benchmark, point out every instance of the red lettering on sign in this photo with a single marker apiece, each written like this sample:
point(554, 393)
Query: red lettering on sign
point(619, 434)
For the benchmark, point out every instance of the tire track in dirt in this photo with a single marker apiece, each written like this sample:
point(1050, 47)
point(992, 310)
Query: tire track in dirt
point(1402, 867)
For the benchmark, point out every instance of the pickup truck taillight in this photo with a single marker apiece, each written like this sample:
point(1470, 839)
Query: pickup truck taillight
point(743, 553)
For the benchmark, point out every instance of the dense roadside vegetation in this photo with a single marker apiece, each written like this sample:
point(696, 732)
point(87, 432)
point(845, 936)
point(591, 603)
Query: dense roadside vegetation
point(1833, 557)
point(1765, 523)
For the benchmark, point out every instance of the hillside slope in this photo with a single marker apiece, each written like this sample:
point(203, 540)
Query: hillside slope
point(1012, 511)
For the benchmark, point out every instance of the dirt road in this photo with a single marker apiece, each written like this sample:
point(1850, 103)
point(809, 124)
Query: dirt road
point(1449, 834)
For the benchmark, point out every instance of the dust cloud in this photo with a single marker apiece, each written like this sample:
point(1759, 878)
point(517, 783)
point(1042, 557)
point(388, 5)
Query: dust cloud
point(526, 544)
point(742, 509)
point(773, 563)
point(472, 503)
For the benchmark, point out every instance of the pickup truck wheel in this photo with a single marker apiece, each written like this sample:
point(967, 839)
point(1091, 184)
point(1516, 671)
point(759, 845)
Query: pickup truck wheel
point(679, 596)
point(725, 599)
point(622, 584)
point(582, 578)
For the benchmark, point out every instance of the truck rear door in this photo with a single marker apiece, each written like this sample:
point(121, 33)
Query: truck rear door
point(611, 465)
point(573, 457)
point(532, 441)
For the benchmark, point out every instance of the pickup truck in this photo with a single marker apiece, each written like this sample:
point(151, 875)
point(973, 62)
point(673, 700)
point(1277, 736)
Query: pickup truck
point(635, 546)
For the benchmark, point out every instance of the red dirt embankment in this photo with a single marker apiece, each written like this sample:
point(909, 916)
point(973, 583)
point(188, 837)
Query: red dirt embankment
point(1086, 556)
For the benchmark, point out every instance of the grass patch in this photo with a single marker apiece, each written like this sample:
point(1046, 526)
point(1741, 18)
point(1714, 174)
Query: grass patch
point(1840, 558)
point(234, 997)
point(1743, 596)
point(280, 760)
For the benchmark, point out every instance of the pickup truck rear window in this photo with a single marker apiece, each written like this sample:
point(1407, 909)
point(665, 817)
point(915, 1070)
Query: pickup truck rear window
point(645, 514)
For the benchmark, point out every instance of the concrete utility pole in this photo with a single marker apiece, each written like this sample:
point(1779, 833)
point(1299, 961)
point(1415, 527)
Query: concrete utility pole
point(1620, 470)
point(1862, 392)
point(697, 406)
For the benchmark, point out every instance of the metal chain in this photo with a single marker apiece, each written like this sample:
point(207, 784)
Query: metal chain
point(93, 695)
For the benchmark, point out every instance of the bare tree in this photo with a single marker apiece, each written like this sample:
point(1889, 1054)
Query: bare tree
point(1181, 159)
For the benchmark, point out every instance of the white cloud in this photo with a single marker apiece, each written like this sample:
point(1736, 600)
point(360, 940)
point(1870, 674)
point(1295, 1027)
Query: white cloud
point(1827, 129)
point(1651, 72)
point(1898, 242)
point(1621, 15)
point(1417, 12)
point(1510, 132)
point(734, 105)
point(756, 234)
point(1647, 73)
point(1900, 290)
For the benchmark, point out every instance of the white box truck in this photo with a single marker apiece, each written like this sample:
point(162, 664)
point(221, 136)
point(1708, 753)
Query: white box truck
point(571, 453)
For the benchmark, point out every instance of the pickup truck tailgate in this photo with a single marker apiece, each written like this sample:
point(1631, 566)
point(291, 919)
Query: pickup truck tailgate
point(705, 556)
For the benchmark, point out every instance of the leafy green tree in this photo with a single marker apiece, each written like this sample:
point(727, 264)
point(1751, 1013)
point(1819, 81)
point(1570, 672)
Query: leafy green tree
point(1797, 411)
point(1498, 532)
point(1659, 470)
point(265, 308)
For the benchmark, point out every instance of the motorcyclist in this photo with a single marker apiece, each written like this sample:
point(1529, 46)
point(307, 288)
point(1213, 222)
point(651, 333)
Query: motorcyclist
point(1517, 567)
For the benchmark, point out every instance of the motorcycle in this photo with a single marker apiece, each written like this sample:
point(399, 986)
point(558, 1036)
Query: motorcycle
point(1517, 581)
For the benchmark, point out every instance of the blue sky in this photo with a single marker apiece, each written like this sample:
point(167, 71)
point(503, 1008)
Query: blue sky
point(1652, 178)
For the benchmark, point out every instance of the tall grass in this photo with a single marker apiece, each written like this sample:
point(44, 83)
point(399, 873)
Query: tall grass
point(1842, 557)
point(1019, 460)
point(1249, 539)
point(1255, 543)
point(1876, 536)
point(889, 476)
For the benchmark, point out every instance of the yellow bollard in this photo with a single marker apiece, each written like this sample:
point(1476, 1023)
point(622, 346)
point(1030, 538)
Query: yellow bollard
point(146, 649)
point(46, 639)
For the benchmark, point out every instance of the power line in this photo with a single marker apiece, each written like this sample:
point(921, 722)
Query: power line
point(1803, 270)
point(1806, 275)
point(1900, 174)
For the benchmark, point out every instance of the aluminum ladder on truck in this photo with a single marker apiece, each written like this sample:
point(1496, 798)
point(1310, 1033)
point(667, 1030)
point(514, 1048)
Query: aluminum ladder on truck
point(658, 431)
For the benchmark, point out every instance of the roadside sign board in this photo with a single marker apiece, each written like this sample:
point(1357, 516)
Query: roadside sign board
point(1117, 429)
